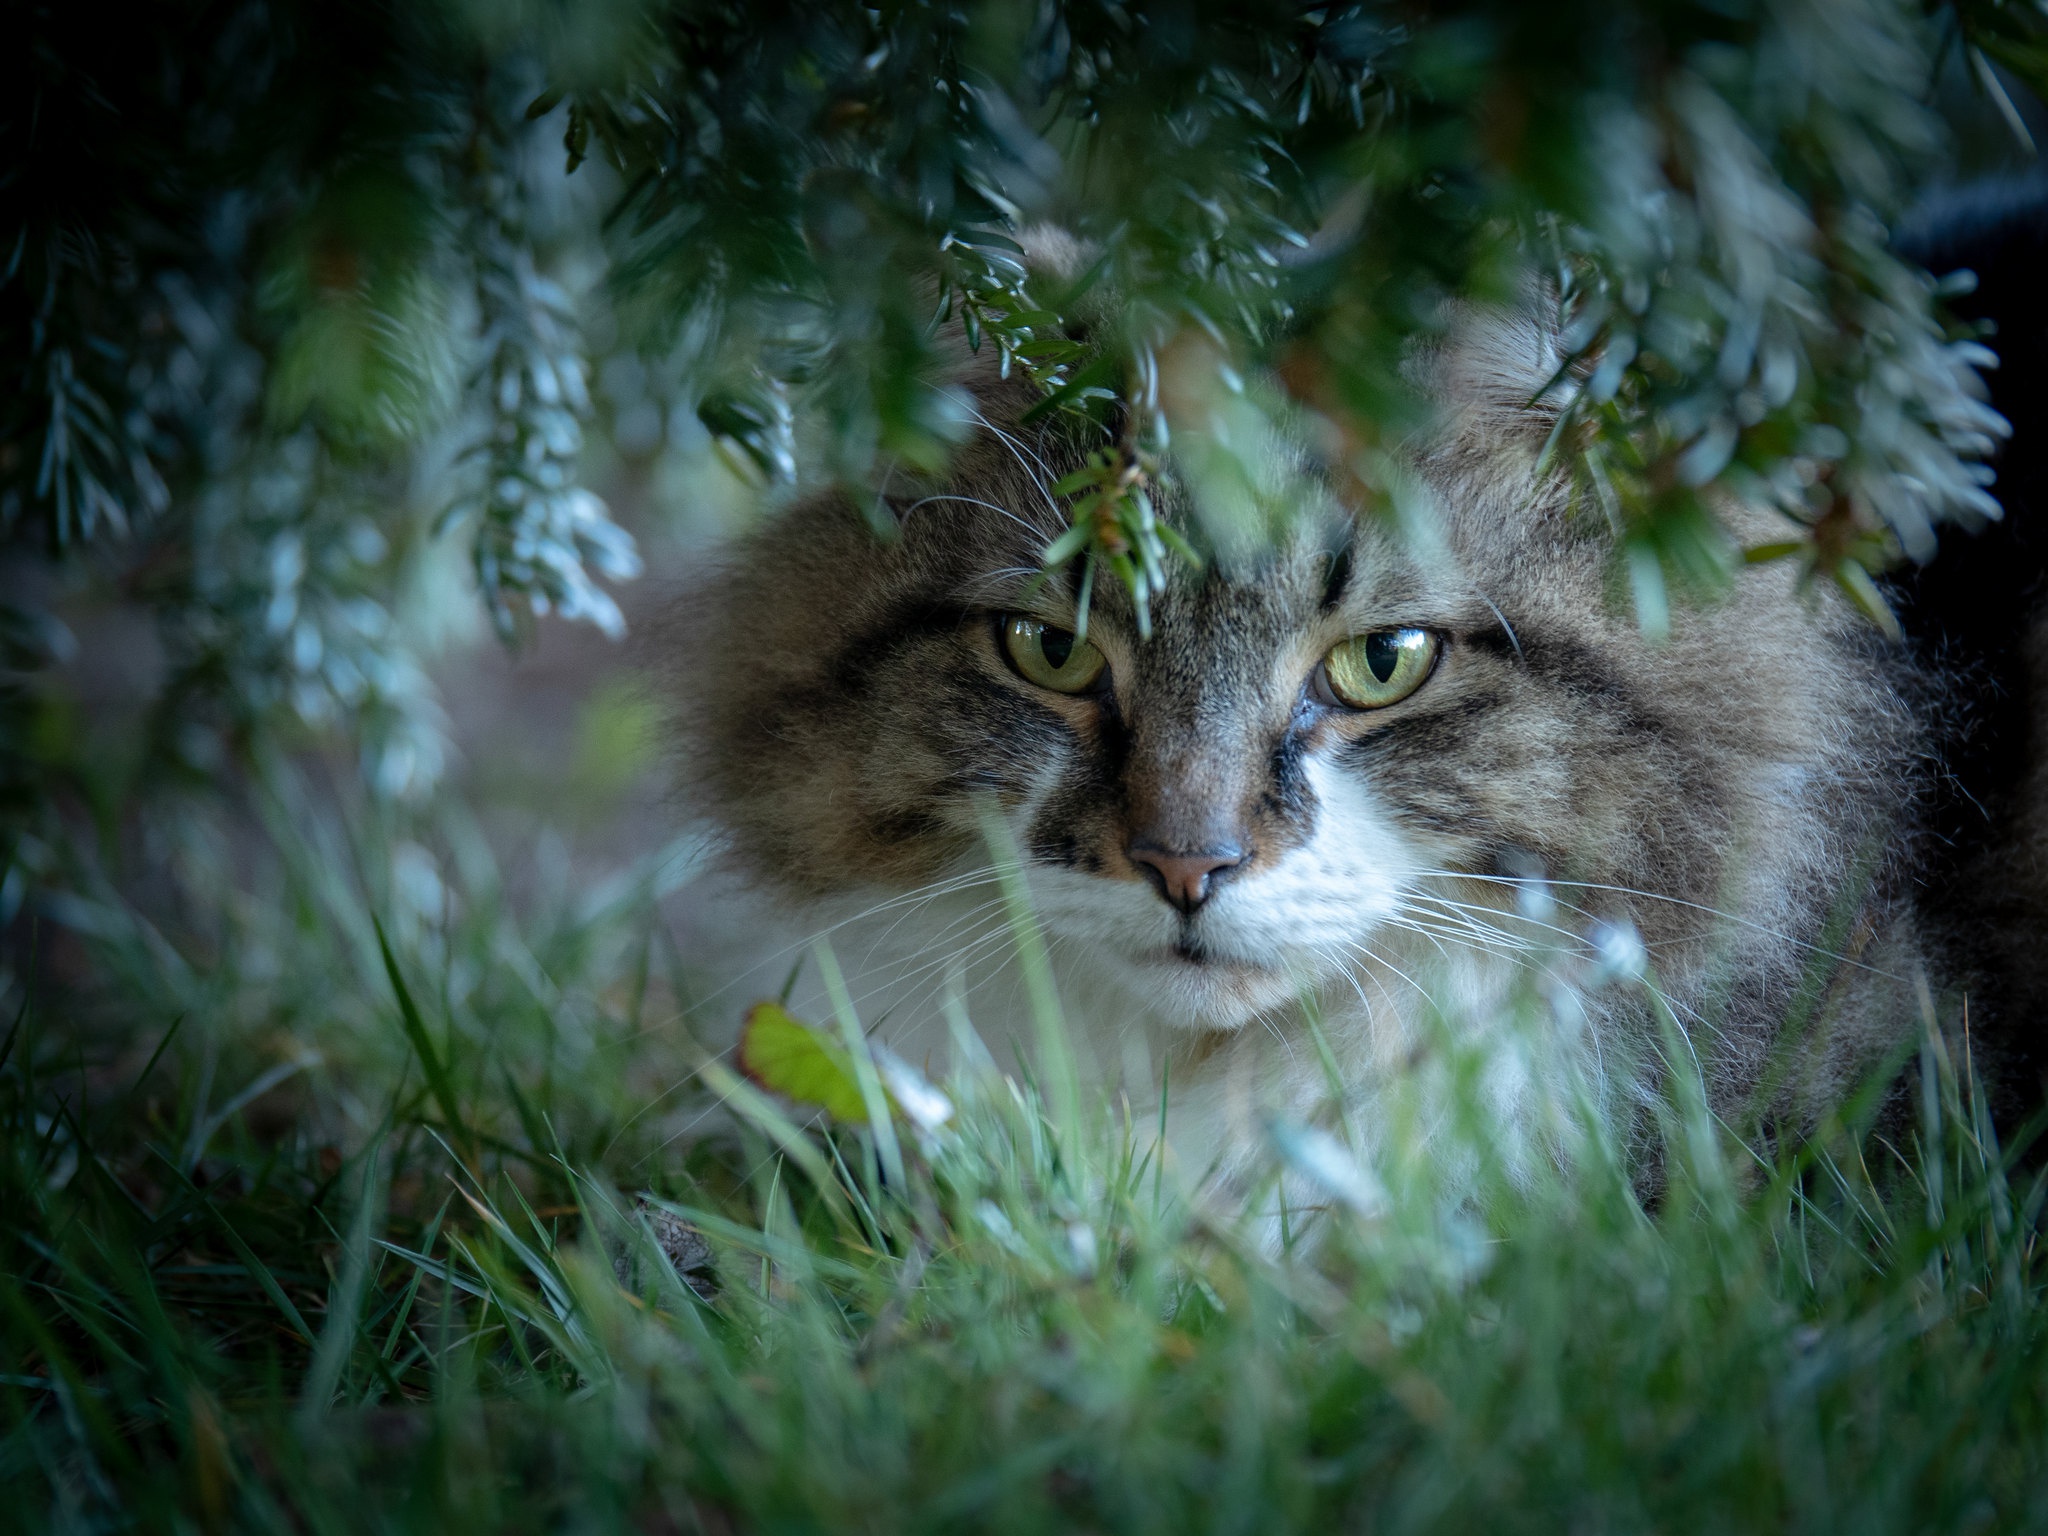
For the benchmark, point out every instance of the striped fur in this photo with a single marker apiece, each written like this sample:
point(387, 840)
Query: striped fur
point(1739, 798)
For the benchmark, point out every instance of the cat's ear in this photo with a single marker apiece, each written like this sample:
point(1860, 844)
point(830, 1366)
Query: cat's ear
point(1500, 374)
point(1055, 264)
point(994, 398)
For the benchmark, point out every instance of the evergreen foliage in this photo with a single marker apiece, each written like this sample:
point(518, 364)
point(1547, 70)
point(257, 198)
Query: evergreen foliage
point(290, 295)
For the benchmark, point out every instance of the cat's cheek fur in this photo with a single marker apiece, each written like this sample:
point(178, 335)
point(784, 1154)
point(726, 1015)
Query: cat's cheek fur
point(1323, 899)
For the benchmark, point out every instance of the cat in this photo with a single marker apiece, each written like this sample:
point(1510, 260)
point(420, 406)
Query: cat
point(1358, 798)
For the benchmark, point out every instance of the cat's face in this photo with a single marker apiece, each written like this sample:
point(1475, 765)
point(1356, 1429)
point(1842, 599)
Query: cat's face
point(1236, 809)
point(1314, 760)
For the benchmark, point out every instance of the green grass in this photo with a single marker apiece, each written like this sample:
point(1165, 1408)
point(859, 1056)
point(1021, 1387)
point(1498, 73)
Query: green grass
point(414, 1283)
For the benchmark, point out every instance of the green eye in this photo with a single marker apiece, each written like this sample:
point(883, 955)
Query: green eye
point(1382, 668)
point(1051, 658)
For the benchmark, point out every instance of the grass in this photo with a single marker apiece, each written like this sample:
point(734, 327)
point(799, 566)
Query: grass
point(351, 1218)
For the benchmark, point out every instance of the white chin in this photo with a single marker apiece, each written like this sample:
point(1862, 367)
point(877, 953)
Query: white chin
point(1206, 994)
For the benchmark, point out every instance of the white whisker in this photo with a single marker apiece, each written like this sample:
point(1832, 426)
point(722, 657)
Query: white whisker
point(976, 501)
point(1761, 929)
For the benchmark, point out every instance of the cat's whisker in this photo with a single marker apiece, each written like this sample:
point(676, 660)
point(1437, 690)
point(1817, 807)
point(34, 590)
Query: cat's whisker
point(1552, 889)
point(1334, 960)
point(1478, 914)
point(718, 1101)
point(942, 886)
point(974, 912)
point(982, 946)
point(976, 501)
point(910, 903)
point(1381, 960)
point(1520, 961)
point(971, 953)
point(962, 957)
point(1579, 941)
point(995, 970)
point(912, 968)
point(772, 959)
point(1584, 946)
point(1468, 935)
point(1763, 930)
point(1262, 1019)
point(1681, 1008)
point(1505, 922)
point(1481, 935)
point(1039, 479)
point(1678, 1007)
point(1412, 925)
point(1018, 446)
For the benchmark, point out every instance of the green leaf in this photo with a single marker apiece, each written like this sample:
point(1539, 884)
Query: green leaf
point(1855, 581)
point(1067, 545)
point(786, 1056)
point(1764, 554)
point(1080, 480)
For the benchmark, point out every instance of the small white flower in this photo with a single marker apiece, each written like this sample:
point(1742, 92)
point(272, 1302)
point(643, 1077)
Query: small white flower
point(1619, 951)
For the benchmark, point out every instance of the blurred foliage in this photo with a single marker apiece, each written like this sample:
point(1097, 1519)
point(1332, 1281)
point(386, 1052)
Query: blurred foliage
point(292, 295)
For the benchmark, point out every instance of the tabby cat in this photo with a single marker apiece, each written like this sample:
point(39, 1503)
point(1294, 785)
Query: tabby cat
point(1358, 797)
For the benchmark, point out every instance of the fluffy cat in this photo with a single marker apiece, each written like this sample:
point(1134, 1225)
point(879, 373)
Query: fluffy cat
point(1391, 790)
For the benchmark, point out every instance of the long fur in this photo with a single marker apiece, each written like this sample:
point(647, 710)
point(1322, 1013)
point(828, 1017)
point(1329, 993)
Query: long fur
point(1738, 805)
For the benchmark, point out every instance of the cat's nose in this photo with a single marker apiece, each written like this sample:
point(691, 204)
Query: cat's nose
point(1184, 879)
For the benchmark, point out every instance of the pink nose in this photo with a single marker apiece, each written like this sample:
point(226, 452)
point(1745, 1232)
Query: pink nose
point(1184, 879)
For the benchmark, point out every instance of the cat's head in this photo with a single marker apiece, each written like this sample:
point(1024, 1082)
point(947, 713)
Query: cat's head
point(1312, 753)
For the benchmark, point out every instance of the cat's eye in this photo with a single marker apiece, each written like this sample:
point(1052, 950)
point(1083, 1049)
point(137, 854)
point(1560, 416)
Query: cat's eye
point(1374, 670)
point(1052, 658)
